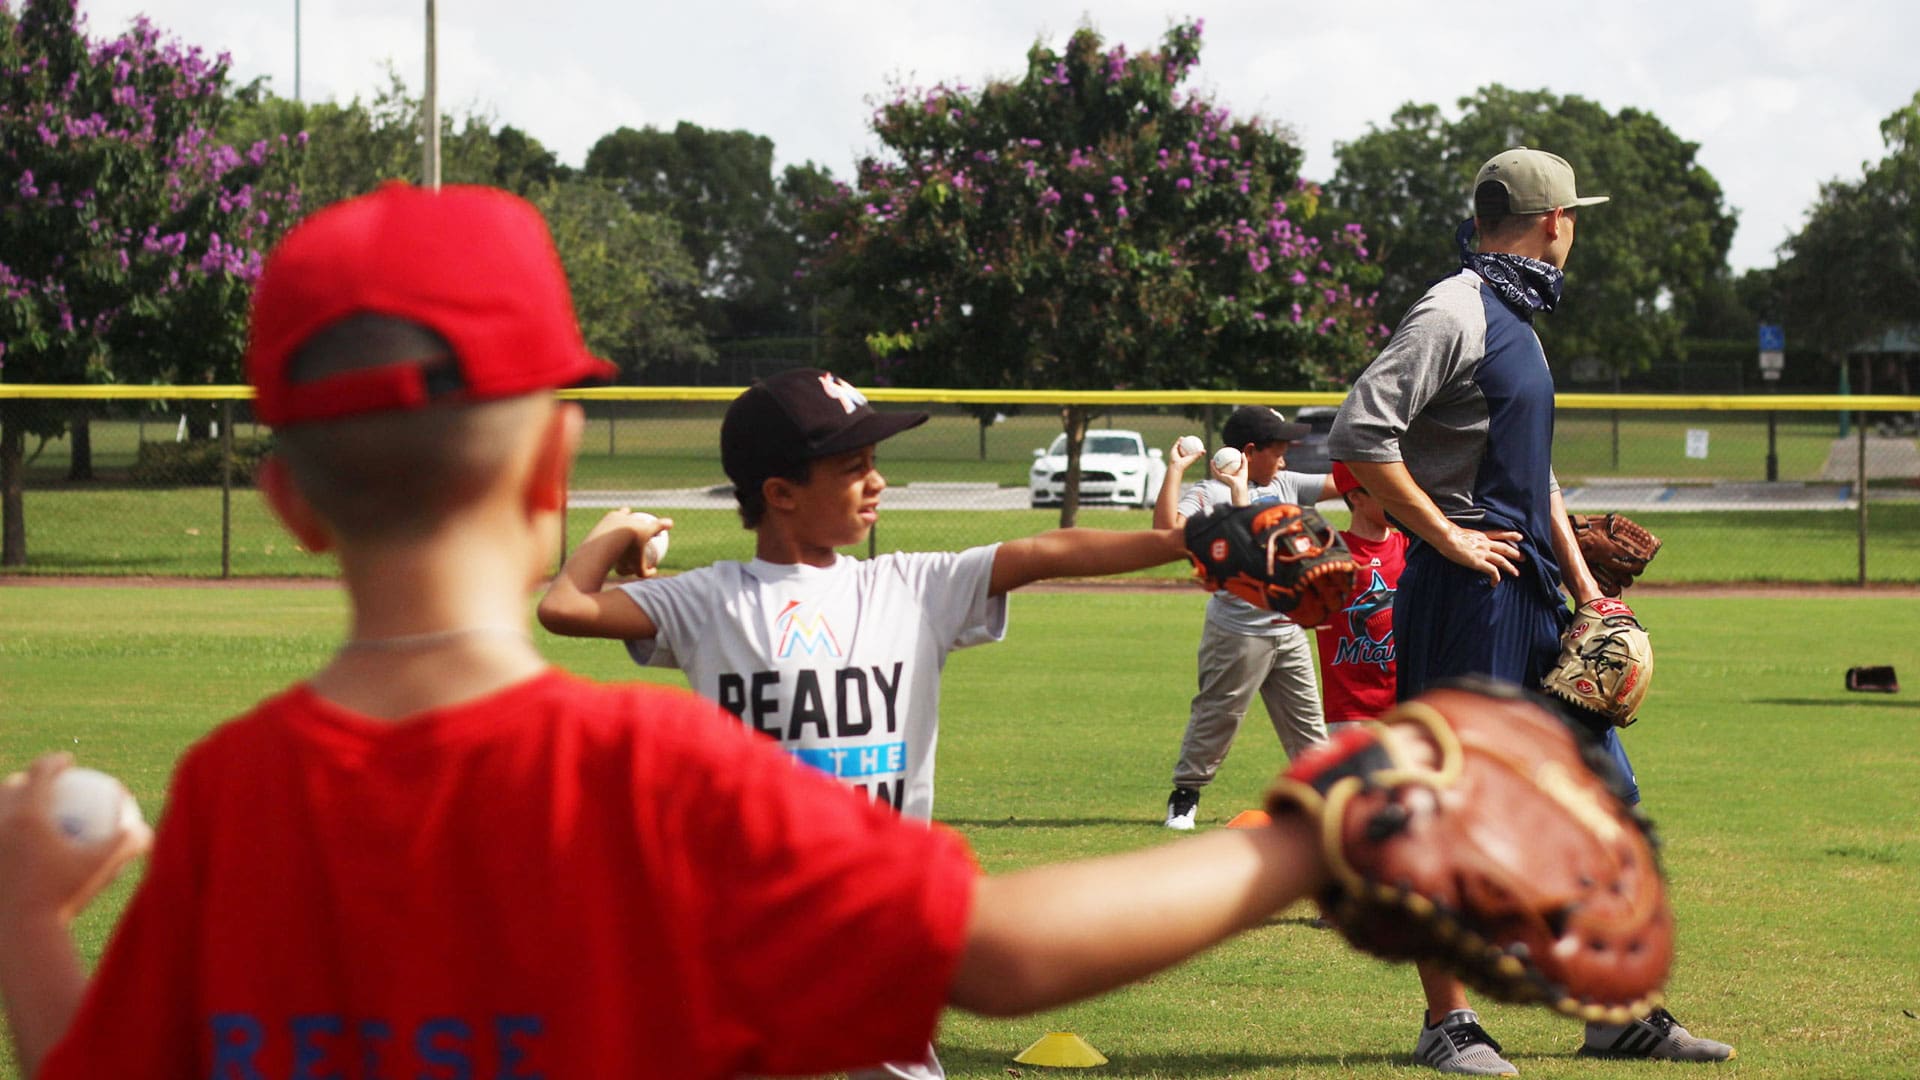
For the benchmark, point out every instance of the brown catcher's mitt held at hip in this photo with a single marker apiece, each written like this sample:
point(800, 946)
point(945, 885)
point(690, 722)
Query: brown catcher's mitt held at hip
point(1277, 556)
point(1605, 665)
point(1470, 826)
point(1617, 549)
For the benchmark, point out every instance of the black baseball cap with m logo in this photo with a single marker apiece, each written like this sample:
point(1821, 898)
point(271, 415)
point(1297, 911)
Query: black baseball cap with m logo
point(786, 420)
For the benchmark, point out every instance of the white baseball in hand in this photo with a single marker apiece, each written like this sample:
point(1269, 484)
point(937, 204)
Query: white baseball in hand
point(89, 806)
point(1227, 461)
point(1190, 445)
point(654, 549)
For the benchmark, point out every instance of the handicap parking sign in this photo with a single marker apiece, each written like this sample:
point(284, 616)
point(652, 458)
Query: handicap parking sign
point(1773, 337)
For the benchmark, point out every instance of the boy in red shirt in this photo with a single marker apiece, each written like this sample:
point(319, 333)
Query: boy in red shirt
point(440, 856)
point(1356, 650)
point(1357, 673)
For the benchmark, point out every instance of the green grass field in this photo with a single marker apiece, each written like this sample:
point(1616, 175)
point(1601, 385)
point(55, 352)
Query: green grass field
point(137, 532)
point(1791, 811)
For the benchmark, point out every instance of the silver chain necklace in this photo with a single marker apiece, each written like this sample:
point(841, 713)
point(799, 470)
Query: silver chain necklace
point(431, 638)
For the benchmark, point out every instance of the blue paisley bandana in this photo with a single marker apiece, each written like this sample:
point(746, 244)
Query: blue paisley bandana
point(1527, 285)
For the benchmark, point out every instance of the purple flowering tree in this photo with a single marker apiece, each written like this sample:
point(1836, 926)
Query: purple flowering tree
point(129, 234)
point(1091, 225)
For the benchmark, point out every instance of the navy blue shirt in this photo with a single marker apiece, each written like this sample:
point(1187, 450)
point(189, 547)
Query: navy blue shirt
point(1463, 397)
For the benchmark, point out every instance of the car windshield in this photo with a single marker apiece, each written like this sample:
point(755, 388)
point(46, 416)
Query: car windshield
point(1098, 444)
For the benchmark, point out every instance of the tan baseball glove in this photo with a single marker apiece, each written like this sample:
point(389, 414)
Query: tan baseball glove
point(1606, 662)
point(1472, 827)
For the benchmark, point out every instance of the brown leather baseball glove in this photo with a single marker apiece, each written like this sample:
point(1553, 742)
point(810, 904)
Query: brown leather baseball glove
point(1470, 826)
point(1617, 549)
point(1277, 556)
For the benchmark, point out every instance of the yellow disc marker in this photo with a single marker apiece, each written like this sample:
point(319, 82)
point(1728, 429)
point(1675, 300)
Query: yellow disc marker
point(1061, 1050)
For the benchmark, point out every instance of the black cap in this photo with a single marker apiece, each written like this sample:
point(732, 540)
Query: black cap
point(1257, 424)
point(785, 420)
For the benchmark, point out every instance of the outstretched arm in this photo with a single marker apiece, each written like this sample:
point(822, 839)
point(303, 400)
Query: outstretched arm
point(1081, 553)
point(1054, 934)
point(578, 605)
point(45, 882)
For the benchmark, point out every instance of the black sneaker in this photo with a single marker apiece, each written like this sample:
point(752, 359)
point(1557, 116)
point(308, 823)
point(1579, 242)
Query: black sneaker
point(1659, 1036)
point(1182, 805)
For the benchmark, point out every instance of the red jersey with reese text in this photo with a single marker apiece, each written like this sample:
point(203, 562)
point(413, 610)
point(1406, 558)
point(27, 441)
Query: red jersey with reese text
point(1357, 648)
point(557, 880)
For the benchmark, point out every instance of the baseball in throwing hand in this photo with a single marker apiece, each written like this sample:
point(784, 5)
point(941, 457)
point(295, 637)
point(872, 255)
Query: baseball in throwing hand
point(89, 806)
point(650, 554)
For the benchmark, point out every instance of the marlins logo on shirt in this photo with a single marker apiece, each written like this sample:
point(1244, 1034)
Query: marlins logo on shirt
point(1370, 624)
point(800, 635)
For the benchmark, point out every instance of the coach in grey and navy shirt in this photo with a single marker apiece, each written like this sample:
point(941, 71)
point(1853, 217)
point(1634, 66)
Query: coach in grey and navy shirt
point(1451, 427)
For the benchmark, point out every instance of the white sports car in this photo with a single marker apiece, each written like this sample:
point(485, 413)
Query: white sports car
point(1115, 467)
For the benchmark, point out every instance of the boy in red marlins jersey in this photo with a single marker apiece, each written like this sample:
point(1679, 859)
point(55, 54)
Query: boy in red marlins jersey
point(1356, 650)
point(440, 856)
point(1357, 672)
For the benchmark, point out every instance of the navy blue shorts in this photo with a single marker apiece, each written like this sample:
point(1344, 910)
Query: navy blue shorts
point(1448, 622)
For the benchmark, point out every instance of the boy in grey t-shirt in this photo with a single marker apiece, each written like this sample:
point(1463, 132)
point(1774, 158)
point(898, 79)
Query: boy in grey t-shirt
point(836, 658)
point(1243, 649)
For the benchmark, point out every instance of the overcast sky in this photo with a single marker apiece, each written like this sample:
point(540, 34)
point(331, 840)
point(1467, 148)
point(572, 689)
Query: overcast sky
point(1780, 95)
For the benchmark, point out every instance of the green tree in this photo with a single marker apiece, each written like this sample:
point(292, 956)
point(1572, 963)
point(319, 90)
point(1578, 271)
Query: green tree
point(1722, 312)
point(1643, 262)
point(633, 285)
point(122, 212)
point(1092, 225)
point(773, 299)
point(355, 147)
point(1853, 270)
point(739, 221)
point(1408, 184)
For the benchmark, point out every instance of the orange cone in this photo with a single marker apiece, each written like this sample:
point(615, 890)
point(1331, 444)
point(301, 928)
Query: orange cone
point(1250, 819)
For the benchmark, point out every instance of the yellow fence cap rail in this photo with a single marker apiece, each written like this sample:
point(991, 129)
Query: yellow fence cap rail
point(1128, 398)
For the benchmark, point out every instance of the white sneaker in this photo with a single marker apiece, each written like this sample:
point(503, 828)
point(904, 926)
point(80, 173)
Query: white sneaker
point(1659, 1036)
point(1182, 806)
point(1458, 1044)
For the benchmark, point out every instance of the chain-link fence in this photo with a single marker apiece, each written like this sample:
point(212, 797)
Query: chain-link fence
point(158, 481)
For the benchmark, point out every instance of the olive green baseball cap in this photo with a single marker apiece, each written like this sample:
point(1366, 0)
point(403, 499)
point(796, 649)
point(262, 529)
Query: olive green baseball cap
point(1536, 181)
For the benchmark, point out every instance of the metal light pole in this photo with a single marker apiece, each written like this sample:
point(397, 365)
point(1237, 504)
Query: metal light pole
point(430, 111)
point(296, 50)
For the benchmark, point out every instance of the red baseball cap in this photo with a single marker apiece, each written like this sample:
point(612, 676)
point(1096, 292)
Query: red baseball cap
point(1343, 478)
point(474, 265)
